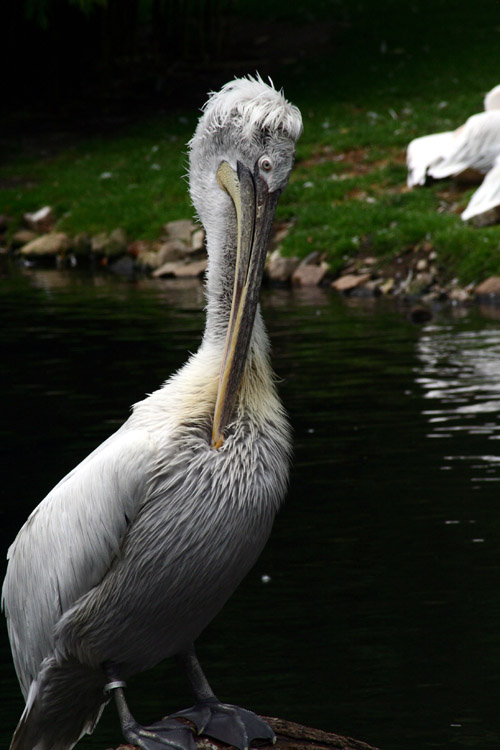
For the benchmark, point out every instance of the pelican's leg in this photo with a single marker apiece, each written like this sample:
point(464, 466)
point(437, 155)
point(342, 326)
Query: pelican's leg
point(161, 735)
point(231, 724)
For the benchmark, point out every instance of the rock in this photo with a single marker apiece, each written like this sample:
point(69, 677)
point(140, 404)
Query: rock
point(181, 229)
point(197, 268)
point(420, 284)
point(309, 275)
point(80, 245)
point(349, 269)
point(181, 269)
point(156, 255)
point(313, 259)
point(148, 260)
point(370, 289)
point(198, 241)
point(278, 234)
point(53, 243)
point(435, 294)
point(289, 736)
point(387, 286)
point(99, 242)
point(420, 314)
point(110, 245)
point(118, 240)
point(459, 295)
point(167, 269)
point(422, 265)
point(22, 237)
point(172, 250)
point(124, 266)
point(279, 268)
point(350, 281)
point(41, 220)
point(489, 288)
point(138, 247)
point(145, 254)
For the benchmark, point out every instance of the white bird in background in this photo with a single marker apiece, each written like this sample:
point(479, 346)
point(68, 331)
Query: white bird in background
point(135, 551)
point(492, 99)
point(422, 153)
point(487, 196)
point(475, 146)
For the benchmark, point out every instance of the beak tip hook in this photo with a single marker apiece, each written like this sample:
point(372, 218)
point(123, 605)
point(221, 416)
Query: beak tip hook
point(217, 442)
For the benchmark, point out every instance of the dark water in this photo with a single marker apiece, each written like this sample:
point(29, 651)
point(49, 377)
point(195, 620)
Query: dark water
point(380, 619)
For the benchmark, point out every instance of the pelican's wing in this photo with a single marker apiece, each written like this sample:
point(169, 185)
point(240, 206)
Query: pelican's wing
point(487, 196)
point(475, 146)
point(69, 542)
point(425, 152)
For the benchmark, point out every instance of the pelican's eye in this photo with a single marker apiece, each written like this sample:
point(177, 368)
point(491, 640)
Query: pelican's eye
point(265, 163)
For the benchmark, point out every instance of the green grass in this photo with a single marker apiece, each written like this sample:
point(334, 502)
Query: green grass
point(133, 180)
point(395, 71)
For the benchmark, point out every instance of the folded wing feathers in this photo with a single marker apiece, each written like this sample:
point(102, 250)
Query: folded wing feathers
point(425, 152)
point(487, 196)
point(93, 506)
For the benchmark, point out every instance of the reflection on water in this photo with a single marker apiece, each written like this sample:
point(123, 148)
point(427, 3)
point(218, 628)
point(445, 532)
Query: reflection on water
point(460, 375)
point(374, 610)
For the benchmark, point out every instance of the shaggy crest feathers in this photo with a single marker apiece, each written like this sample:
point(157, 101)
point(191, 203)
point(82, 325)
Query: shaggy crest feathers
point(257, 105)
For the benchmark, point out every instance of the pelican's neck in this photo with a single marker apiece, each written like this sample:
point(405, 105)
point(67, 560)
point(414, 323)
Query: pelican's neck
point(221, 247)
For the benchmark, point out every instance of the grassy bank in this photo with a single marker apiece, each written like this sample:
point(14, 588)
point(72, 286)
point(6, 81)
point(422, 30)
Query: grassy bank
point(388, 74)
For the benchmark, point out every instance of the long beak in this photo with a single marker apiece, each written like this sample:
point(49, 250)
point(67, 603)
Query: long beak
point(255, 207)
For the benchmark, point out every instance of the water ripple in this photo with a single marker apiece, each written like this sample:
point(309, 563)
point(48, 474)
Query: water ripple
point(459, 375)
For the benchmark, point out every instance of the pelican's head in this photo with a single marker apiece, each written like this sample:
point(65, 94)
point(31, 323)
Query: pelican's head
point(241, 156)
point(492, 99)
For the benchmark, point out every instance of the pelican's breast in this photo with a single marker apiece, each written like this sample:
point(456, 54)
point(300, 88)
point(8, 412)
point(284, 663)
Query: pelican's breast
point(204, 520)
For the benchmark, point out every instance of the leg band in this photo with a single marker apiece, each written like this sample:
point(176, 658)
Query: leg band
point(113, 685)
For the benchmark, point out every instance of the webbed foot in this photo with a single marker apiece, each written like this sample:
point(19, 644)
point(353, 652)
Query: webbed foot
point(231, 724)
point(161, 735)
point(167, 734)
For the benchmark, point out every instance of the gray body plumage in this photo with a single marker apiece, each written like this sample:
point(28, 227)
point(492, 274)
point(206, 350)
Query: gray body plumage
point(133, 553)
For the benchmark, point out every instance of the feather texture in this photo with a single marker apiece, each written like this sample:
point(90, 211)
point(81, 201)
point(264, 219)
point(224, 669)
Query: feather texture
point(487, 196)
point(251, 106)
point(476, 145)
point(425, 152)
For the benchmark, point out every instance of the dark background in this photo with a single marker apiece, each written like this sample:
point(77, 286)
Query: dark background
point(72, 62)
point(82, 59)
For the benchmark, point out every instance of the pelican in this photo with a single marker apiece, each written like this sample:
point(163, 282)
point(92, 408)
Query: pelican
point(473, 146)
point(486, 198)
point(423, 152)
point(132, 554)
point(492, 99)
